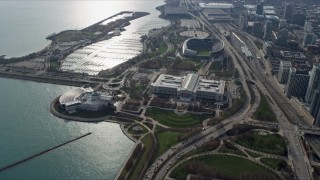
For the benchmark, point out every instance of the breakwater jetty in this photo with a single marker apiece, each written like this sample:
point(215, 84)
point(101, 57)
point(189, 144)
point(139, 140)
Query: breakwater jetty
point(44, 79)
point(42, 152)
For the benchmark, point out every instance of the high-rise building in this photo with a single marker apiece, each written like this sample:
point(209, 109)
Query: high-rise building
point(315, 106)
point(243, 22)
point(317, 120)
point(283, 73)
point(297, 83)
point(257, 29)
point(267, 49)
point(238, 3)
point(260, 9)
point(283, 37)
point(313, 82)
point(283, 24)
point(298, 18)
point(267, 30)
point(288, 12)
point(307, 27)
point(309, 39)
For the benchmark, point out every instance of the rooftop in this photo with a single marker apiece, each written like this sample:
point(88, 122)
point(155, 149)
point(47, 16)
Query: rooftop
point(190, 82)
point(210, 12)
point(268, 8)
point(216, 5)
point(291, 54)
point(73, 94)
point(286, 63)
point(175, 10)
point(211, 86)
point(165, 80)
point(272, 17)
point(269, 12)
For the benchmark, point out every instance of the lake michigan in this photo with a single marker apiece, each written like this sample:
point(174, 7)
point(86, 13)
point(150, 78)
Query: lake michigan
point(26, 124)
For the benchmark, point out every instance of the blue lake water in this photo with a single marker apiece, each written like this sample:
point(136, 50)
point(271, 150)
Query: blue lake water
point(26, 125)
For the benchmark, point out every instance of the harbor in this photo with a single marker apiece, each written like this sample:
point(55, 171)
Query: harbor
point(86, 51)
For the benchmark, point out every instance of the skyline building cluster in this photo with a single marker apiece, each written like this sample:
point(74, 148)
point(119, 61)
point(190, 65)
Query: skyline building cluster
point(303, 85)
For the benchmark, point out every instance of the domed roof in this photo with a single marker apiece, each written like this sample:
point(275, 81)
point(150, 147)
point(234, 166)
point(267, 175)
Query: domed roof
point(73, 94)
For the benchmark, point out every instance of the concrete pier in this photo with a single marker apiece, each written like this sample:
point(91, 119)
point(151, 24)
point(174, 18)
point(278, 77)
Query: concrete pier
point(42, 152)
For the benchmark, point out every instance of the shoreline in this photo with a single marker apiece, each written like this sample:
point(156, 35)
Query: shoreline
point(119, 23)
point(61, 81)
point(42, 79)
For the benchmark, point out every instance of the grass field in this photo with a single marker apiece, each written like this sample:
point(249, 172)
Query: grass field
point(166, 139)
point(275, 164)
point(72, 35)
point(270, 143)
point(169, 118)
point(147, 141)
point(203, 52)
point(196, 63)
point(253, 154)
point(264, 112)
point(162, 47)
point(223, 165)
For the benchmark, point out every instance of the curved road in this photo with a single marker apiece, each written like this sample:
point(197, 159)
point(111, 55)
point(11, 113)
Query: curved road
point(160, 167)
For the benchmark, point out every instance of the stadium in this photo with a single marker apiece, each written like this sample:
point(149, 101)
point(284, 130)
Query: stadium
point(203, 48)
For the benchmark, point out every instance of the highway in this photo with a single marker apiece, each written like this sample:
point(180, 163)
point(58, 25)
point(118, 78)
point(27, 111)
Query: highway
point(297, 154)
point(160, 167)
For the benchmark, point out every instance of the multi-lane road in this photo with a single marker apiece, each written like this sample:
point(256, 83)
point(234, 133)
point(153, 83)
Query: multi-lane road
point(284, 112)
point(297, 154)
point(160, 167)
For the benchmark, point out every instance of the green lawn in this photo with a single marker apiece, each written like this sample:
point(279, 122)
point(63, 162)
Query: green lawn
point(72, 35)
point(166, 139)
point(203, 52)
point(223, 165)
point(169, 118)
point(229, 148)
point(270, 143)
point(147, 141)
point(275, 164)
point(253, 154)
point(197, 64)
point(264, 112)
point(252, 100)
point(162, 48)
